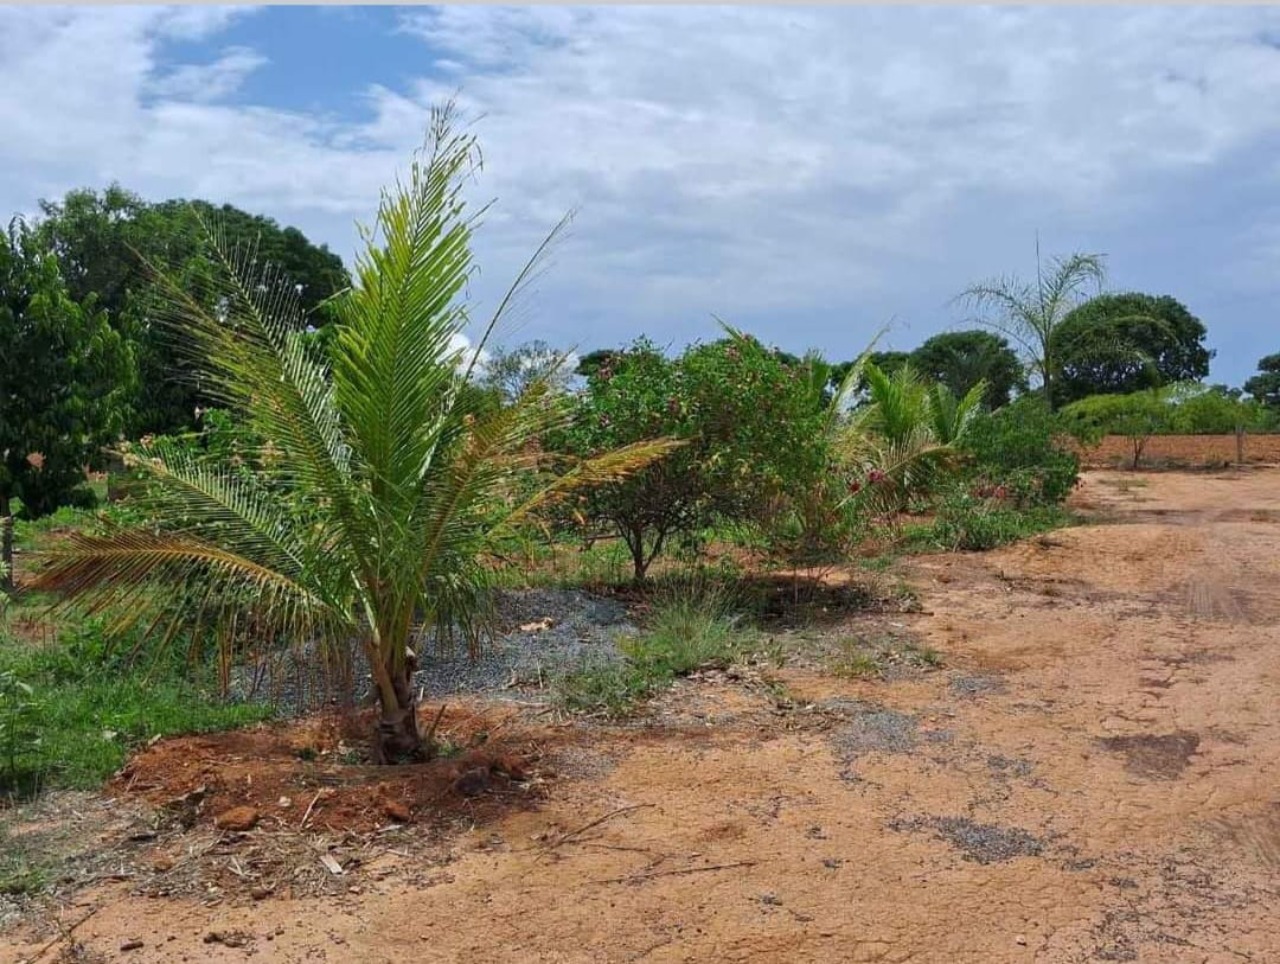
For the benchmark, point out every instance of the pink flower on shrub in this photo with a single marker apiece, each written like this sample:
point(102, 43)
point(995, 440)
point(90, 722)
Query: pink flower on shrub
point(875, 475)
point(855, 487)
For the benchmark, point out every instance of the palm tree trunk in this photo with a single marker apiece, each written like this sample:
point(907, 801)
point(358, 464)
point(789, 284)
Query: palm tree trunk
point(396, 737)
point(6, 546)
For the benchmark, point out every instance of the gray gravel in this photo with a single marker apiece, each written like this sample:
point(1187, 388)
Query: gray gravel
point(539, 634)
point(984, 843)
point(971, 686)
point(872, 729)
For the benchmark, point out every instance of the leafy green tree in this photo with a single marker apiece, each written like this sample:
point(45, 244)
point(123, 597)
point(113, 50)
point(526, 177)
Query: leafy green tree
point(887, 361)
point(961, 359)
point(64, 379)
point(1265, 386)
point(387, 481)
point(1213, 410)
point(109, 245)
point(591, 362)
point(1120, 343)
point(1137, 416)
point(1029, 314)
point(745, 418)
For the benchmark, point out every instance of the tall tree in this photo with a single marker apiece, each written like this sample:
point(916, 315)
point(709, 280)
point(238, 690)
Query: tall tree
point(511, 371)
point(1120, 343)
point(962, 359)
point(1265, 386)
point(387, 479)
point(109, 244)
point(1029, 313)
point(64, 379)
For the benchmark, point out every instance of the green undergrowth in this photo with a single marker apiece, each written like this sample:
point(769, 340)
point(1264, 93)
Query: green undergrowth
point(965, 523)
point(71, 711)
point(692, 626)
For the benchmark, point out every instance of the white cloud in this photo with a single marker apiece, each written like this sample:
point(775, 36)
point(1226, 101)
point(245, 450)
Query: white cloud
point(817, 169)
point(205, 83)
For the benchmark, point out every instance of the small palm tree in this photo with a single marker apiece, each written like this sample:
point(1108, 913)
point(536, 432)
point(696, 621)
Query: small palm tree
point(905, 438)
point(388, 475)
point(1030, 314)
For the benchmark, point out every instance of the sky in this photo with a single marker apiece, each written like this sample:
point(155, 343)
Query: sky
point(810, 174)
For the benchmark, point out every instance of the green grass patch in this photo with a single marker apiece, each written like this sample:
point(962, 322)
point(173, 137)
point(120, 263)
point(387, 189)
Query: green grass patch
point(968, 524)
point(70, 713)
point(20, 876)
point(873, 658)
point(692, 626)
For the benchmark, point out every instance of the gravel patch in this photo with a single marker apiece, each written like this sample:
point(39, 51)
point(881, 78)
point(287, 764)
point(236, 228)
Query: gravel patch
point(872, 729)
point(539, 634)
point(1003, 766)
point(984, 843)
point(971, 686)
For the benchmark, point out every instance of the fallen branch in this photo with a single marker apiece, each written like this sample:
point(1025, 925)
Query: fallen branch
point(431, 733)
point(566, 837)
point(310, 807)
point(673, 873)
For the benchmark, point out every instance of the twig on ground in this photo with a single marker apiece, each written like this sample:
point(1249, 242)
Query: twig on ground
point(431, 733)
point(310, 807)
point(566, 837)
point(672, 873)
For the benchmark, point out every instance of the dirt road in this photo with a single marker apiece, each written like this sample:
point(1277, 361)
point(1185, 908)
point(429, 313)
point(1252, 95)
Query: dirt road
point(1092, 775)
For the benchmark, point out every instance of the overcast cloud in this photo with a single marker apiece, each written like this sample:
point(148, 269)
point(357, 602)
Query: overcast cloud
point(807, 173)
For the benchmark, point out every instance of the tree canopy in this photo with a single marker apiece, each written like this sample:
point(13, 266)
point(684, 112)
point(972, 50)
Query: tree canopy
point(961, 359)
point(1265, 386)
point(1116, 344)
point(109, 244)
point(64, 378)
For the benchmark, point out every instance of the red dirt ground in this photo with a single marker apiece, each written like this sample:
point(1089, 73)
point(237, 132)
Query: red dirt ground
point(285, 773)
point(1183, 451)
point(1091, 776)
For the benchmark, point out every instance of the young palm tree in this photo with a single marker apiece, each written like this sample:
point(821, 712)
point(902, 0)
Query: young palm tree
point(1031, 313)
point(905, 438)
point(387, 476)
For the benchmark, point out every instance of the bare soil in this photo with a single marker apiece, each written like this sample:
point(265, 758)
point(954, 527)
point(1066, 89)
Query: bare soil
point(1183, 451)
point(1089, 777)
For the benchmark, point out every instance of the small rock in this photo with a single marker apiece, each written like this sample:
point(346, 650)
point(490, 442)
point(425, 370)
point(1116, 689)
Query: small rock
point(397, 811)
point(237, 819)
point(261, 893)
point(473, 782)
point(162, 864)
point(132, 945)
point(1020, 940)
point(284, 803)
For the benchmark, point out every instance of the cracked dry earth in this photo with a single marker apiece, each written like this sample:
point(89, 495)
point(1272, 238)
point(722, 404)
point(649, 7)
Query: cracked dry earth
point(1091, 776)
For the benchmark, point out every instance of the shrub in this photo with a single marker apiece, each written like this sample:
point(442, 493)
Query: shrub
point(746, 419)
point(19, 730)
point(968, 522)
point(1016, 448)
point(1137, 416)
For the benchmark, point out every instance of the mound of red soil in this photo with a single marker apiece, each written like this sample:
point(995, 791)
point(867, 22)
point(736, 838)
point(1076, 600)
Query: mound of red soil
point(308, 774)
